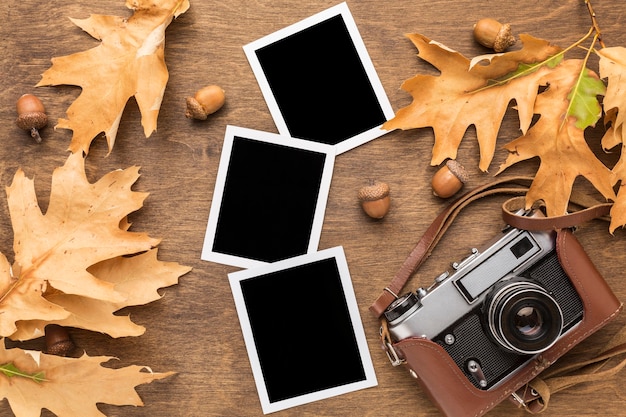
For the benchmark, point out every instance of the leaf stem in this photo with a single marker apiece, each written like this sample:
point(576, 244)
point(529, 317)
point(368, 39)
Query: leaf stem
point(535, 66)
point(594, 23)
point(10, 370)
point(596, 37)
point(578, 42)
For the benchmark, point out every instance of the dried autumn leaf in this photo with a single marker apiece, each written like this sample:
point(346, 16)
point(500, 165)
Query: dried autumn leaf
point(23, 300)
point(32, 381)
point(613, 67)
point(558, 139)
point(613, 134)
point(128, 62)
point(613, 137)
point(70, 264)
point(618, 211)
point(465, 94)
point(138, 277)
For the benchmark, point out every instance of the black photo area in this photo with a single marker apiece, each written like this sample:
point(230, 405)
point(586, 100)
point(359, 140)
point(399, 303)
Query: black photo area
point(302, 330)
point(269, 200)
point(320, 83)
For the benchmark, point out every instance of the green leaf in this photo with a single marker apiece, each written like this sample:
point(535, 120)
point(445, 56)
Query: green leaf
point(584, 105)
point(11, 370)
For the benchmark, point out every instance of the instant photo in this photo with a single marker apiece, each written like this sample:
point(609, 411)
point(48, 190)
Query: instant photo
point(269, 200)
point(319, 82)
point(302, 329)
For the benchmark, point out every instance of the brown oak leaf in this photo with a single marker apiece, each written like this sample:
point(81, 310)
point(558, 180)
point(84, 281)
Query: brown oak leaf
point(613, 67)
point(137, 277)
point(71, 263)
point(614, 137)
point(471, 93)
point(560, 144)
point(128, 62)
point(32, 381)
point(618, 211)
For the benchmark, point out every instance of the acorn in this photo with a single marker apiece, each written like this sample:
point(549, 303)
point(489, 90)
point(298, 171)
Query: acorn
point(493, 34)
point(375, 199)
point(205, 101)
point(58, 341)
point(31, 115)
point(449, 179)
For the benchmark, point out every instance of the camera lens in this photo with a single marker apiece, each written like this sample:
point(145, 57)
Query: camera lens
point(523, 317)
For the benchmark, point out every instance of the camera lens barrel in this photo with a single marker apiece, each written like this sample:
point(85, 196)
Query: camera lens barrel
point(523, 317)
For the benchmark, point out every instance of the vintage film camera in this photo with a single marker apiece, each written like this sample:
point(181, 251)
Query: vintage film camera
point(494, 313)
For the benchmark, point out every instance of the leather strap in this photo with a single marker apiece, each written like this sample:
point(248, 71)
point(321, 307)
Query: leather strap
point(424, 247)
point(517, 185)
point(594, 211)
point(535, 395)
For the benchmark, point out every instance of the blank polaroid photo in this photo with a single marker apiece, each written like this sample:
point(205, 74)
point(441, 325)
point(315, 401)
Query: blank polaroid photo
point(319, 82)
point(269, 200)
point(302, 329)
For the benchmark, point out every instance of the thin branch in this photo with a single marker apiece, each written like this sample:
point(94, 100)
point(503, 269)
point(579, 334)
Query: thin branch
point(594, 23)
point(535, 66)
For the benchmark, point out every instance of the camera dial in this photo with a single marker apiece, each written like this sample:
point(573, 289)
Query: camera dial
point(401, 307)
point(523, 317)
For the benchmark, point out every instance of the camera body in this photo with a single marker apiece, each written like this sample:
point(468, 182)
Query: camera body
point(495, 310)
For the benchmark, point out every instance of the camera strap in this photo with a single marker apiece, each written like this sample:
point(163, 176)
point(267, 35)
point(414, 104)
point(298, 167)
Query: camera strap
point(535, 395)
point(591, 209)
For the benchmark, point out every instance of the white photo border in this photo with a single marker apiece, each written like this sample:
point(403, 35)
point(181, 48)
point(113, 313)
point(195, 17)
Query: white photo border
point(343, 10)
point(338, 254)
point(208, 254)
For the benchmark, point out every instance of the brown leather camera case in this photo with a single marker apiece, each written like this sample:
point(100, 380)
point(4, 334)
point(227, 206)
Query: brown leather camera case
point(456, 396)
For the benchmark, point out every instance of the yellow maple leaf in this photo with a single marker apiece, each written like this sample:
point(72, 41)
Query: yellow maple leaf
point(467, 93)
point(32, 381)
point(70, 265)
point(560, 144)
point(128, 62)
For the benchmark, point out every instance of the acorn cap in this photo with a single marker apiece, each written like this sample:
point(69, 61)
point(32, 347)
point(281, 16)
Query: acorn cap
point(458, 170)
point(62, 348)
point(195, 110)
point(504, 38)
point(35, 119)
point(374, 191)
point(58, 341)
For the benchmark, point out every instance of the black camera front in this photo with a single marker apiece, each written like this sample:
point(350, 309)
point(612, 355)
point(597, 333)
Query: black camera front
point(521, 317)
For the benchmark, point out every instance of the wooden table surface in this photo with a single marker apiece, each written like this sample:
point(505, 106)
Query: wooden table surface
point(194, 329)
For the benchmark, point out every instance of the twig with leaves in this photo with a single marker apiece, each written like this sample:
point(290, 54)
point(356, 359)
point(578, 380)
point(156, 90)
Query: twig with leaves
point(540, 80)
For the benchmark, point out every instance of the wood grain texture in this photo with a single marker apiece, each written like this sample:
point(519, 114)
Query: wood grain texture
point(194, 329)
